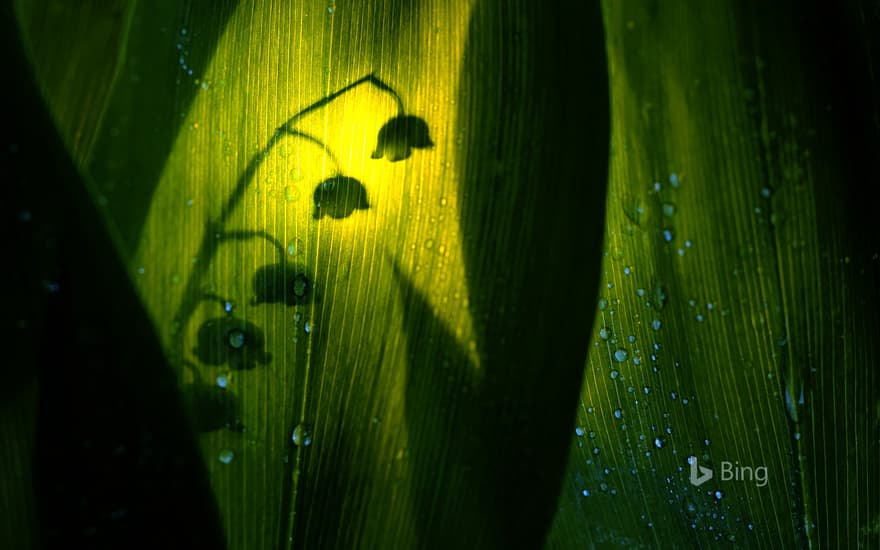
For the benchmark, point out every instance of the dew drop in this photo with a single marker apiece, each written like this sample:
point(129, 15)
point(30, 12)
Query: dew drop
point(225, 456)
point(660, 296)
point(236, 338)
point(634, 210)
point(294, 247)
point(620, 355)
point(291, 193)
point(301, 436)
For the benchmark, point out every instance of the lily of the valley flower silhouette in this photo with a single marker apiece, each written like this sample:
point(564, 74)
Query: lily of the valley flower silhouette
point(231, 340)
point(281, 283)
point(238, 343)
point(400, 135)
point(338, 197)
point(211, 408)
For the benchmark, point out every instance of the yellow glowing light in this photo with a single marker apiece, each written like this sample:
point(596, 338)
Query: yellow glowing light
point(273, 61)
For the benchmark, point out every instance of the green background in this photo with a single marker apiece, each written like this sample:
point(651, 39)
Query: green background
point(681, 194)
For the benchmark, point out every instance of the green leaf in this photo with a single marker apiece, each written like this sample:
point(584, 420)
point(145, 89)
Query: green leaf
point(743, 140)
point(96, 448)
point(431, 344)
point(77, 79)
point(419, 385)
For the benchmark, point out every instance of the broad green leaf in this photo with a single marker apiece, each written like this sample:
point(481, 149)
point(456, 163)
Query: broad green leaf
point(340, 234)
point(402, 363)
point(96, 447)
point(78, 78)
point(737, 318)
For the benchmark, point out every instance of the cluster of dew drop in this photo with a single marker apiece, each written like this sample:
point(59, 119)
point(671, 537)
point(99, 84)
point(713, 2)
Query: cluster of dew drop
point(626, 362)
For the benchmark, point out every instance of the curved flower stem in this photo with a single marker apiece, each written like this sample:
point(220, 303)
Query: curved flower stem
point(197, 377)
point(211, 297)
point(248, 176)
point(369, 79)
point(245, 234)
point(214, 228)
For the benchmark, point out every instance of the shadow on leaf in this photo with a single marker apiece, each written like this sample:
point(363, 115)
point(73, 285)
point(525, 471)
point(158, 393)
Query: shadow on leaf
point(449, 444)
point(338, 197)
point(211, 408)
point(113, 455)
point(400, 135)
point(232, 341)
point(282, 284)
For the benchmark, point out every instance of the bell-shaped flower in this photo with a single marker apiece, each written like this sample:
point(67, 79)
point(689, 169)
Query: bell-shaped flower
point(232, 341)
point(400, 135)
point(338, 197)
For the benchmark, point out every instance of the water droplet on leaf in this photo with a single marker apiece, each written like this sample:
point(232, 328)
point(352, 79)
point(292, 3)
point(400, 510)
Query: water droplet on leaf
point(236, 338)
point(281, 284)
point(232, 340)
point(301, 436)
